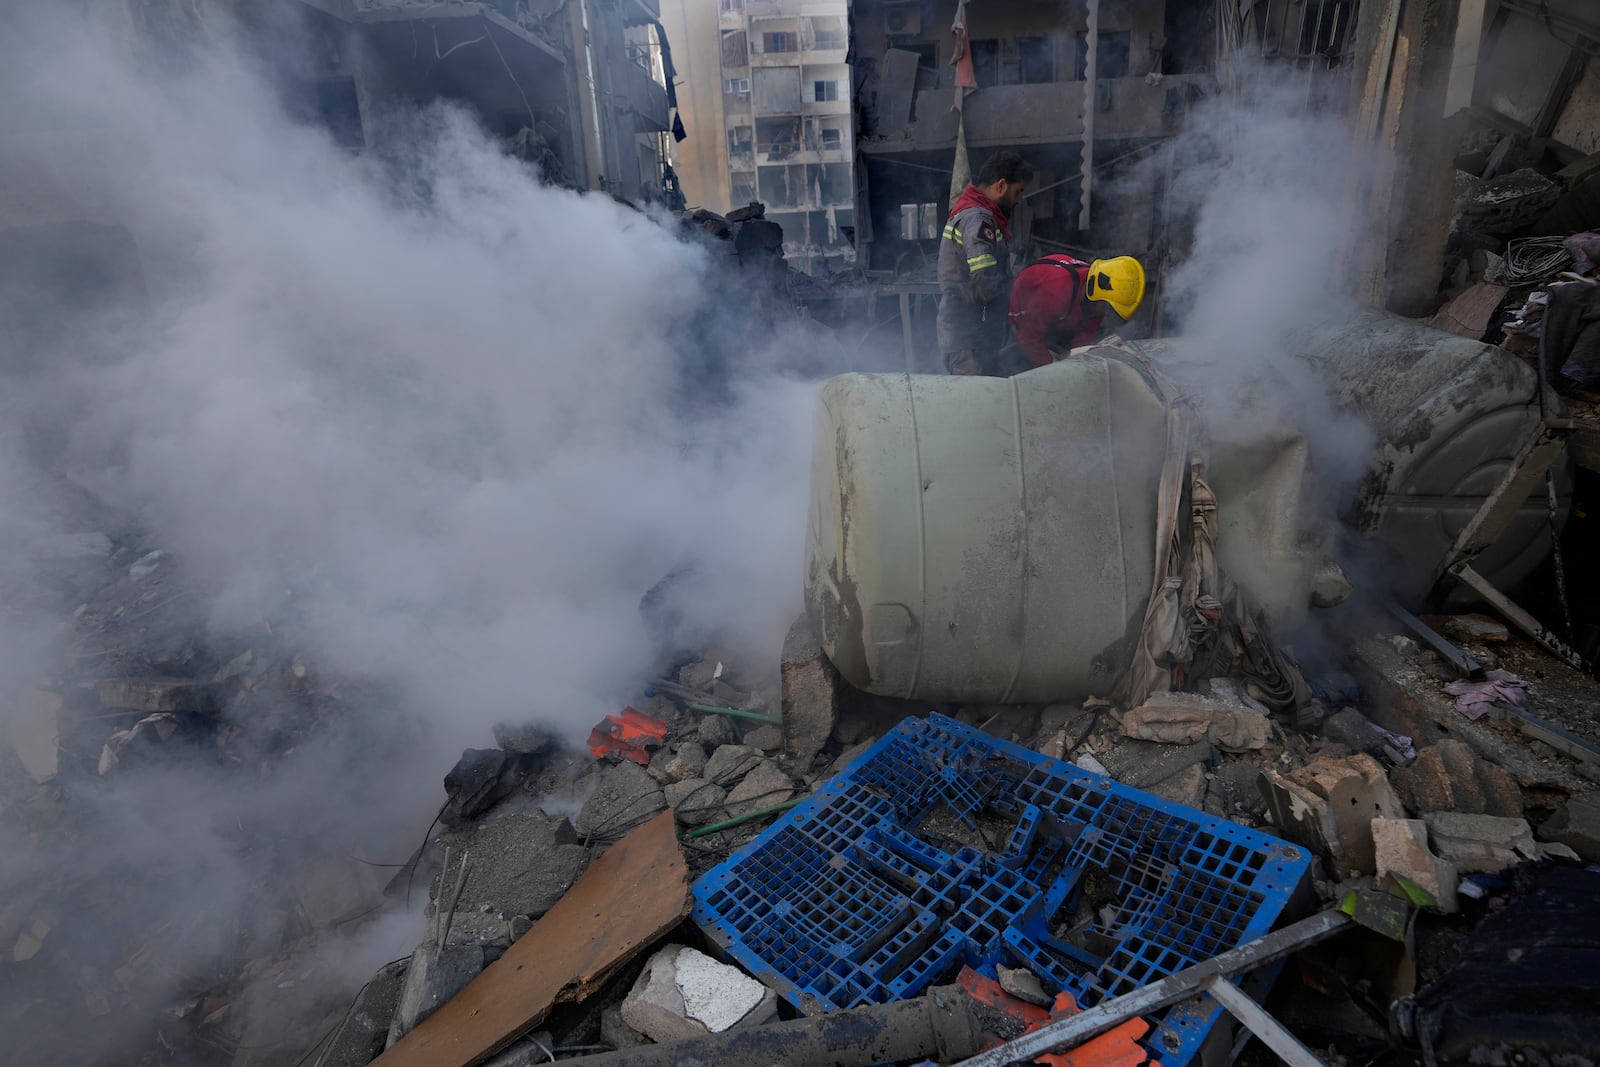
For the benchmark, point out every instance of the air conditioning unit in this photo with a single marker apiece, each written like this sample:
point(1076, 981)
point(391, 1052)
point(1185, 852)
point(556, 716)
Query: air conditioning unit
point(903, 20)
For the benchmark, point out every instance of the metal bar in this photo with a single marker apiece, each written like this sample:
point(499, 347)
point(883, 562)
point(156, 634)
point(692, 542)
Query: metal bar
point(905, 332)
point(1542, 448)
point(1463, 663)
point(1091, 44)
point(1519, 618)
point(1261, 1023)
point(1544, 730)
point(1170, 990)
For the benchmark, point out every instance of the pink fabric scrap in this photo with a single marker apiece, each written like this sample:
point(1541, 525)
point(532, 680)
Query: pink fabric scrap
point(1473, 699)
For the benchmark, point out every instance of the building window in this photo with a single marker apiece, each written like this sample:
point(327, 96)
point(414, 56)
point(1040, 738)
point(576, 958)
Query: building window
point(1036, 60)
point(735, 52)
point(733, 5)
point(1112, 59)
point(832, 138)
point(985, 62)
point(741, 142)
point(919, 222)
point(736, 85)
point(827, 32)
point(824, 90)
point(779, 42)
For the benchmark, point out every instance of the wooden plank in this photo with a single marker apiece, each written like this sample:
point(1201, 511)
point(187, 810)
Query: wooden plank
point(627, 899)
point(1468, 315)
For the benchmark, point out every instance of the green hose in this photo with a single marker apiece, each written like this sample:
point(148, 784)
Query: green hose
point(754, 716)
point(736, 820)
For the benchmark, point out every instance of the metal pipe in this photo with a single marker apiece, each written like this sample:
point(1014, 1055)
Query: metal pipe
point(938, 1026)
point(1190, 981)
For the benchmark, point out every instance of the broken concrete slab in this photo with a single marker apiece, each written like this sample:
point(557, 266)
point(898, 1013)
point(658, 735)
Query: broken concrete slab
point(1329, 805)
point(730, 763)
point(1185, 718)
point(1449, 776)
point(1146, 764)
point(526, 739)
point(1483, 844)
point(160, 694)
point(618, 1034)
point(1400, 847)
point(696, 801)
point(687, 760)
point(521, 864)
point(1576, 824)
point(685, 993)
point(364, 1030)
point(809, 694)
point(634, 893)
point(763, 787)
point(625, 797)
point(1024, 985)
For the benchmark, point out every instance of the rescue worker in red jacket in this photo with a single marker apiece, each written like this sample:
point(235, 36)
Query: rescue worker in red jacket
point(1057, 302)
point(975, 268)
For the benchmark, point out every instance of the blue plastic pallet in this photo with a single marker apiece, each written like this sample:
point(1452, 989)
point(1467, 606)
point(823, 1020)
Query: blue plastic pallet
point(876, 887)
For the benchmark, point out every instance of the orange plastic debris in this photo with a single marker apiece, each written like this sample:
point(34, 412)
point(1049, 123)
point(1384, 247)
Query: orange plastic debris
point(629, 736)
point(1115, 1048)
point(986, 990)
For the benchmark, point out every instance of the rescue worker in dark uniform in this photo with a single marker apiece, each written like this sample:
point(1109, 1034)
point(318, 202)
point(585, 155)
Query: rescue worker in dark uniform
point(974, 268)
point(1057, 303)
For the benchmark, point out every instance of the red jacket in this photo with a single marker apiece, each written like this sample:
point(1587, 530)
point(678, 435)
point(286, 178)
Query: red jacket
point(1050, 308)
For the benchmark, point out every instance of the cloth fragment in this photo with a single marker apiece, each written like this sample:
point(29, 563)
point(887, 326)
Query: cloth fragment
point(1473, 699)
point(162, 724)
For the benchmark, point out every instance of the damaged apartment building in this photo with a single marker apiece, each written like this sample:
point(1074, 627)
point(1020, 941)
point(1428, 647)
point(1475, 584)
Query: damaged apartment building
point(770, 84)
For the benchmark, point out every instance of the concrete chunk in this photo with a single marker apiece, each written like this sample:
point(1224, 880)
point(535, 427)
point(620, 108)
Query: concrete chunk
point(1185, 718)
point(626, 797)
point(1481, 843)
point(810, 694)
point(730, 763)
point(1329, 805)
point(762, 788)
point(360, 1037)
point(696, 801)
point(684, 993)
point(1576, 824)
point(1400, 846)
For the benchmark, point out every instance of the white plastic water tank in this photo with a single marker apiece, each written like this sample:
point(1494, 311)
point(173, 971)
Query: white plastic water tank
point(987, 539)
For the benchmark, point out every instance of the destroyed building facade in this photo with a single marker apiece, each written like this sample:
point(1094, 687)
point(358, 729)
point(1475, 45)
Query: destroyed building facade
point(774, 78)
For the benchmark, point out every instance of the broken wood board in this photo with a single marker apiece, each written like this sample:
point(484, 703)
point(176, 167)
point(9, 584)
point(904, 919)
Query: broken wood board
point(628, 898)
point(1468, 315)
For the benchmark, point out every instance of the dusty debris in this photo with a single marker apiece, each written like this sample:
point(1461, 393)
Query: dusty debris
point(1329, 805)
point(363, 1031)
point(768, 739)
point(1449, 776)
point(683, 762)
point(1184, 718)
point(1476, 627)
point(1401, 848)
point(684, 993)
point(479, 781)
point(730, 763)
point(636, 891)
point(160, 694)
point(522, 863)
point(717, 730)
point(765, 785)
point(696, 801)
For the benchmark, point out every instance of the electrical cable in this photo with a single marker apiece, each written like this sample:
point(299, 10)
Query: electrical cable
point(1533, 260)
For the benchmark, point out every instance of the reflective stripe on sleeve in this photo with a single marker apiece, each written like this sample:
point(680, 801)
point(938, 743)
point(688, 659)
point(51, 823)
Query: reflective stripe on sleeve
point(980, 262)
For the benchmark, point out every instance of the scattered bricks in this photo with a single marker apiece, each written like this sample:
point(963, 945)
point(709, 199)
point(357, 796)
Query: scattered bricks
point(1184, 718)
point(766, 738)
point(1400, 847)
point(1329, 805)
point(1576, 824)
point(696, 802)
point(730, 763)
point(1481, 843)
point(763, 787)
point(160, 694)
point(1449, 776)
point(684, 993)
point(1476, 628)
point(626, 797)
point(811, 690)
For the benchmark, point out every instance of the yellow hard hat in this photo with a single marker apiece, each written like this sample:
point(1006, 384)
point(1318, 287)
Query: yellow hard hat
point(1119, 282)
